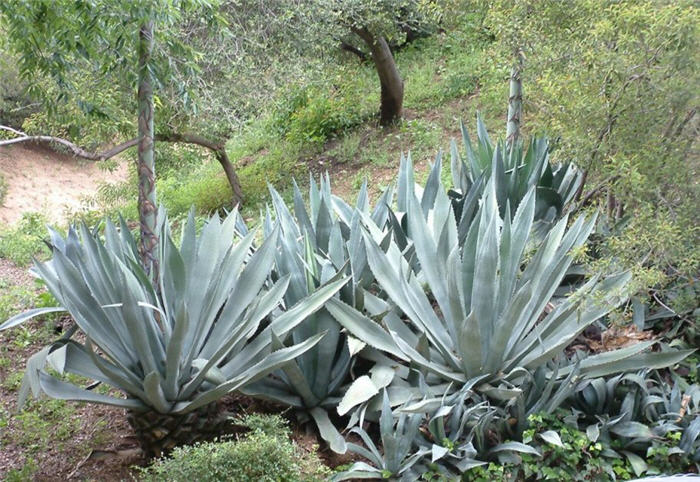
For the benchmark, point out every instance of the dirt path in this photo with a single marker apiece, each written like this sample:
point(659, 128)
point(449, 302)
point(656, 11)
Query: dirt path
point(39, 179)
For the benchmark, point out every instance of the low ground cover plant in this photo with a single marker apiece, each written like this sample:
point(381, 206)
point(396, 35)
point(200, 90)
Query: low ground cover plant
point(24, 240)
point(265, 453)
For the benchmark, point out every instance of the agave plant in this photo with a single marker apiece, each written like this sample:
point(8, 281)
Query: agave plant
point(453, 421)
point(399, 457)
point(315, 247)
point(516, 171)
point(174, 346)
point(638, 408)
point(488, 311)
point(311, 253)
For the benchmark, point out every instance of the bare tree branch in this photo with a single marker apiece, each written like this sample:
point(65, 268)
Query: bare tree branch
point(353, 50)
point(594, 191)
point(218, 149)
point(75, 149)
point(14, 131)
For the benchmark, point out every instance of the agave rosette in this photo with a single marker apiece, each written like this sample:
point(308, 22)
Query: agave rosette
point(205, 329)
point(484, 313)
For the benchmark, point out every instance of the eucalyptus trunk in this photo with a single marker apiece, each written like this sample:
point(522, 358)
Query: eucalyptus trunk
point(515, 104)
point(146, 155)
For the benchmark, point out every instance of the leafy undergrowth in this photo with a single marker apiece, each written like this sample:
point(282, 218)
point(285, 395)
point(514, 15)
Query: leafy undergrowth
point(569, 453)
point(331, 126)
point(24, 240)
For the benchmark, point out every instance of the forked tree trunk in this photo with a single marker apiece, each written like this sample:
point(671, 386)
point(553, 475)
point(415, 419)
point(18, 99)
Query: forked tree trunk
point(146, 155)
point(390, 79)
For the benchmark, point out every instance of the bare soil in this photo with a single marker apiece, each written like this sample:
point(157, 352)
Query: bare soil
point(40, 179)
point(100, 428)
point(10, 273)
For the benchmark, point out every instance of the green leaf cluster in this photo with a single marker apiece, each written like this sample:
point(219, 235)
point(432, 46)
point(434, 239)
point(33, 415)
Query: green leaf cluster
point(264, 454)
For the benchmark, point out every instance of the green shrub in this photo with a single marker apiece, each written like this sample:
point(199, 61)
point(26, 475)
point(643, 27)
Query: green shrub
point(23, 241)
point(274, 425)
point(264, 454)
point(622, 105)
point(315, 114)
point(205, 188)
point(277, 166)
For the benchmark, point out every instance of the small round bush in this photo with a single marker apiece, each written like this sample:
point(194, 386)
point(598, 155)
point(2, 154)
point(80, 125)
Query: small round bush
point(266, 454)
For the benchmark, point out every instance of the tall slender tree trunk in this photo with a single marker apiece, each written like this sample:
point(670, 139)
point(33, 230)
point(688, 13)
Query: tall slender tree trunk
point(390, 79)
point(146, 158)
point(515, 103)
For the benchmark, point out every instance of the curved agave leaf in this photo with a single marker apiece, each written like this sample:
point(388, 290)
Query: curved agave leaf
point(29, 314)
point(328, 431)
point(359, 470)
point(61, 390)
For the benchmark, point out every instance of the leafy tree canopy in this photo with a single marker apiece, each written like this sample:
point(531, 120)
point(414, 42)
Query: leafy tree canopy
point(80, 57)
point(615, 83)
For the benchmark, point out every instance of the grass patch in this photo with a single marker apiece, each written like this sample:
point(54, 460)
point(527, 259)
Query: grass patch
point(25, 474)
point(43, 424)
point(3, 188)
point(23, 241)
point(15, 298)
point(347, 149)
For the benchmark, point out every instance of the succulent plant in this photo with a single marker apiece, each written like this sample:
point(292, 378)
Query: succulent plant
point(636, 409)
point(453, 421)
point(399, 455)
point(174, 346)
point(515, 170)
point(313, 251)
point(487, 310)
